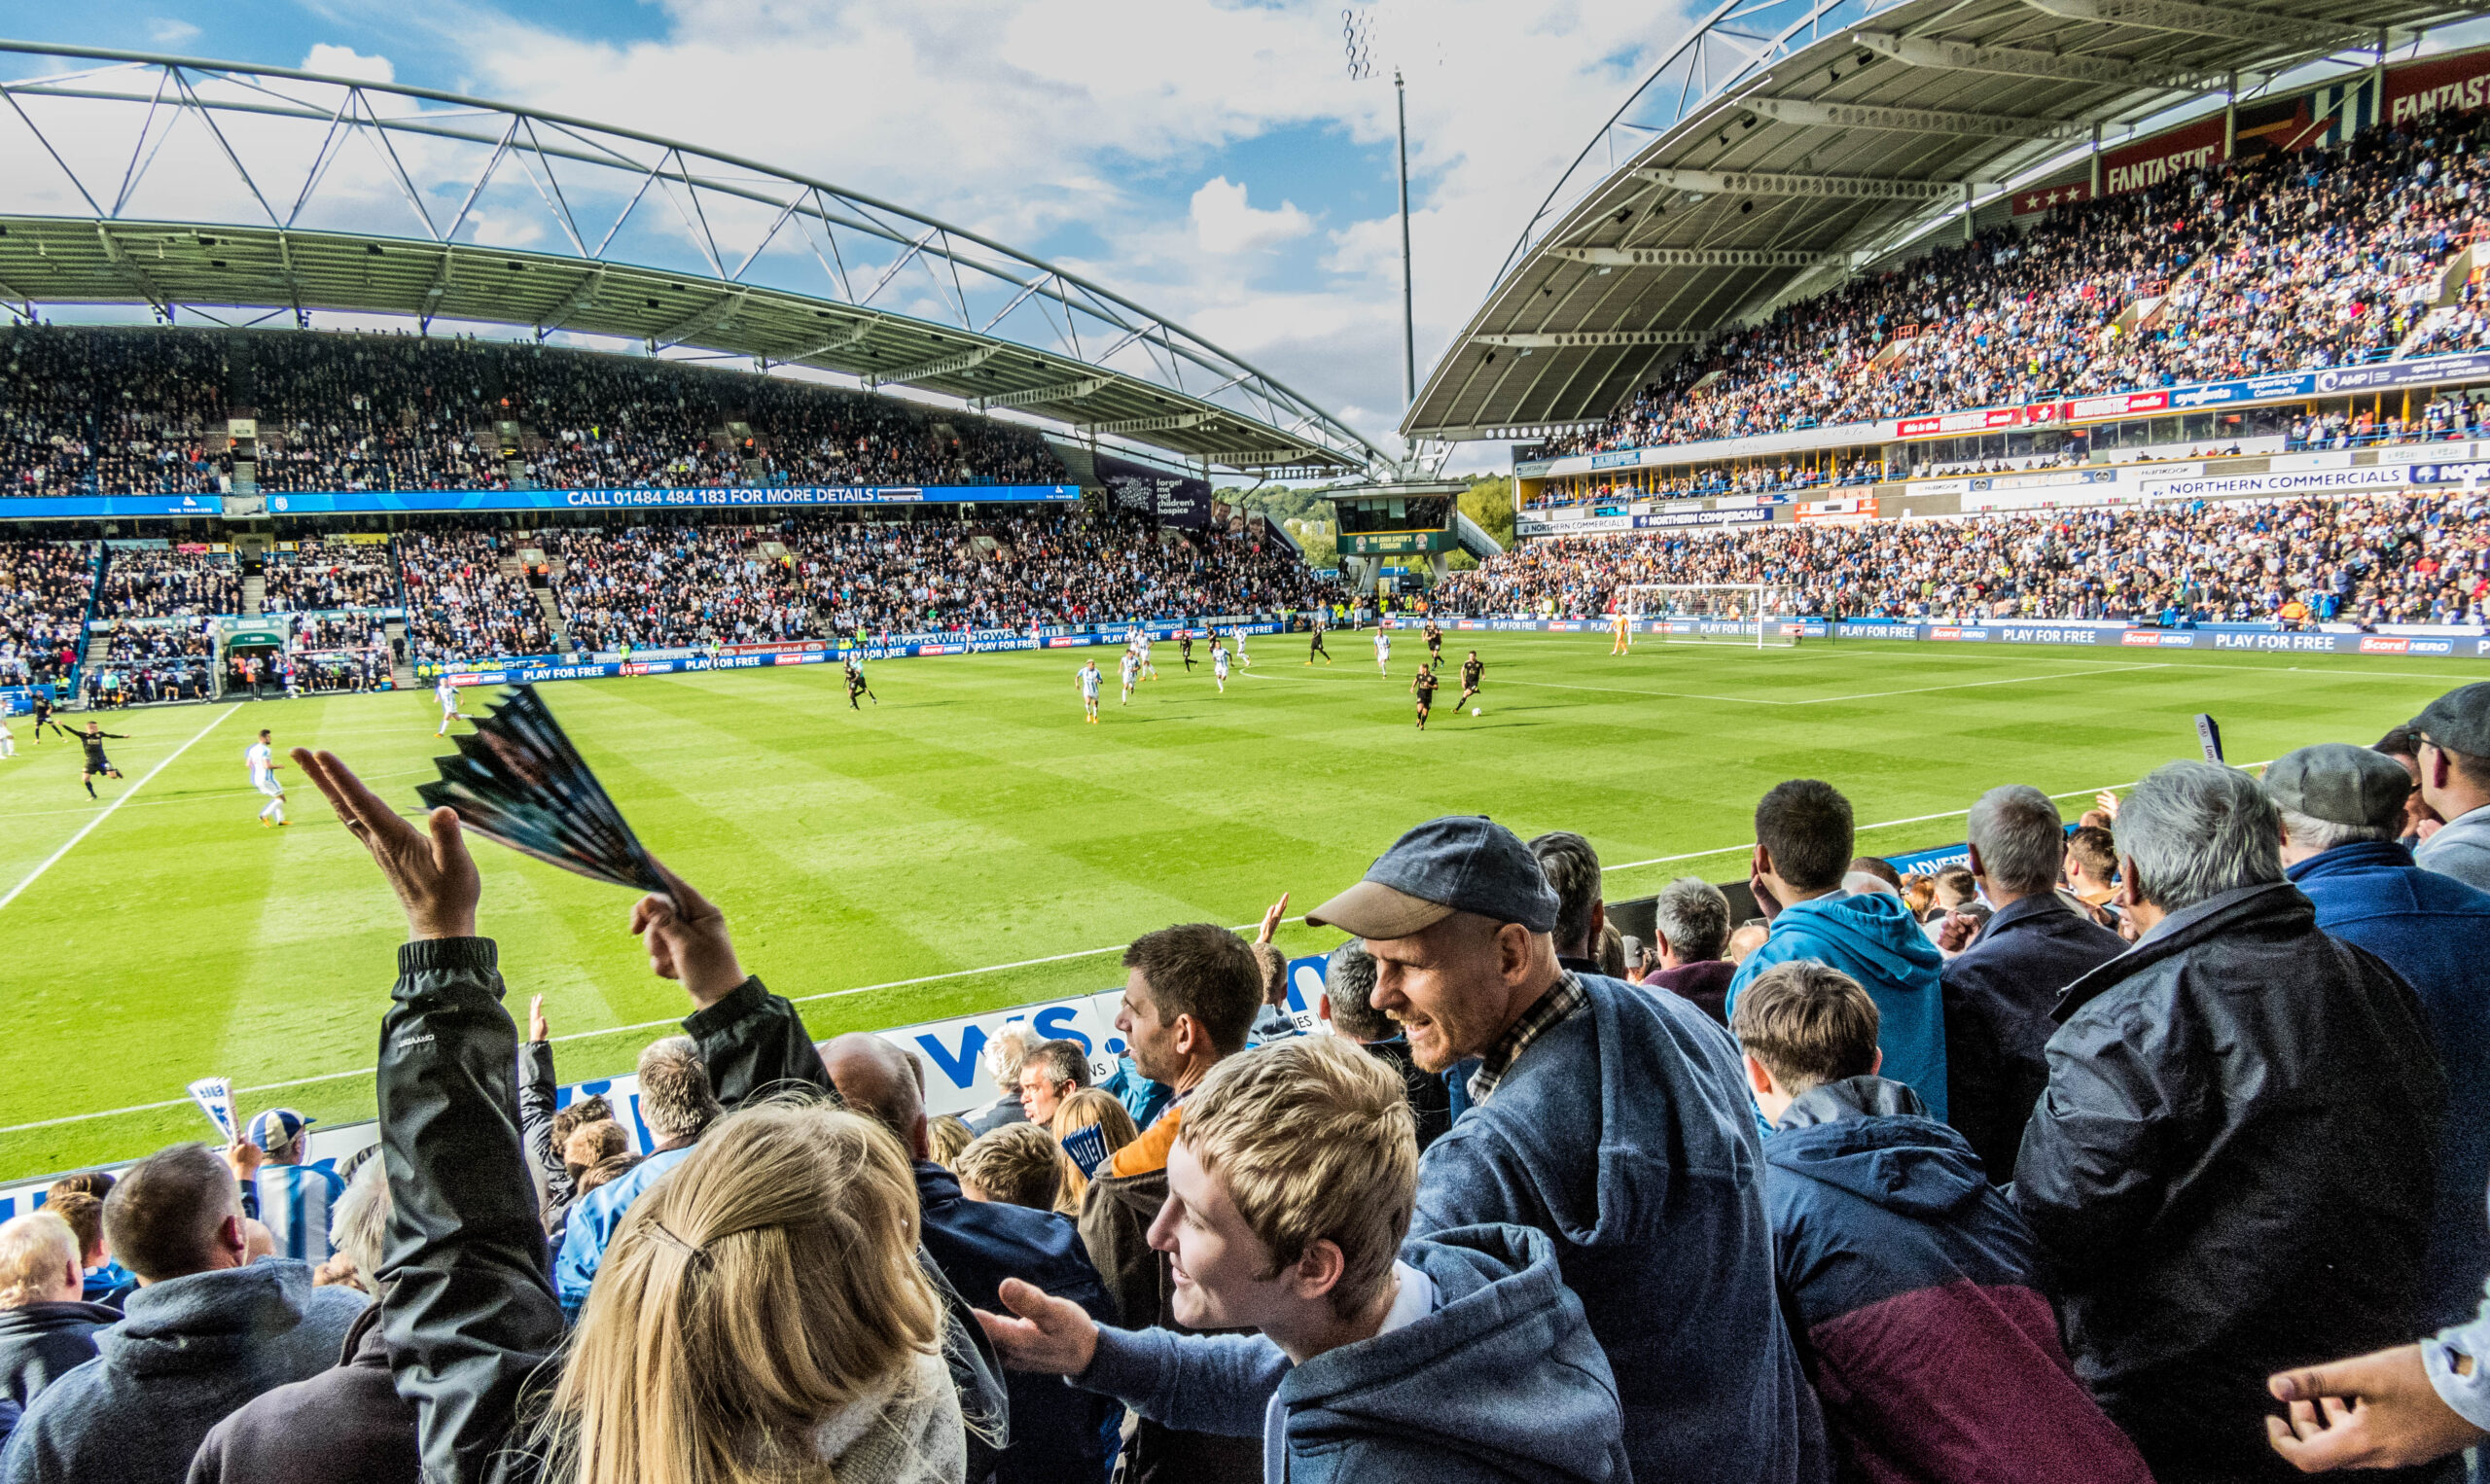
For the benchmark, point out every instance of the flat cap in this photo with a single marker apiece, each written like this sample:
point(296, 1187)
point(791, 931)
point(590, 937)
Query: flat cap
point(1462, 863)
point(2459, 721)
point(2340, 784)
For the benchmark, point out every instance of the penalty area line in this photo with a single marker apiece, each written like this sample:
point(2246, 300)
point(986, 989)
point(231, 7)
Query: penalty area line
point(126, 795)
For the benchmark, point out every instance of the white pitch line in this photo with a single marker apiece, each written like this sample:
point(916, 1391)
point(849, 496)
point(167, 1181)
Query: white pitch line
point(54, 857)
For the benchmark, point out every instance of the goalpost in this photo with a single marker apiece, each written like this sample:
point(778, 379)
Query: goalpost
point(1749, 614)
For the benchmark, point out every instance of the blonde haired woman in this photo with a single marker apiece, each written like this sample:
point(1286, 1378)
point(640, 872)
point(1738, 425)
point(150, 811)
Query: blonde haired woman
point(1087, 1109)
point(761, 1313)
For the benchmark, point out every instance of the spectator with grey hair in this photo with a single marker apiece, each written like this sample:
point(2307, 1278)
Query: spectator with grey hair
point(2342, 808)
point(1999, 991)
point(677, 1105)
point(2451, 740)
point(1572, 868)
point(1007, 1050)
point(1052, 1071)
point(347, 1423)
point(2230, 1167)
point(1691, 927)
point(1348, 1004)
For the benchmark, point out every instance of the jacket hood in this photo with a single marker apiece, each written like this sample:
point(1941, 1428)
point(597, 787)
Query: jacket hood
point(1142, 1194)
point(31, 1320)
point(1502, 1315)
point(1872, 926)
point(1871, 1138)
point(206, 1322)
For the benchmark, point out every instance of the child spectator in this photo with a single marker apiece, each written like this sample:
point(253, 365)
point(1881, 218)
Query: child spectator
point(1090, 1108)
point(1015, 1165)
point(1930, 1341)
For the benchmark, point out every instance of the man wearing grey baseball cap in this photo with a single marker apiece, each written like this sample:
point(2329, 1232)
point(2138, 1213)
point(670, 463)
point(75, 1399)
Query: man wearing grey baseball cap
point(1615, 1122)
point(2452, 740)
point(2342, 808)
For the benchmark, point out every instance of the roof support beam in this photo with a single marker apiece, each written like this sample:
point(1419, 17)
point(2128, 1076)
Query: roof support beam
point(1691, 256)
point(2231, 24)
point(965, 361)
point(1592, 339)
point(132, 271)
point(1062, 391)
point(706, 318)
point(1168, 424)
point(848, 337)
point(581, 296)
point(2017, 61)
point(1824, 187)
point(1909, 120)
point(1259, 458)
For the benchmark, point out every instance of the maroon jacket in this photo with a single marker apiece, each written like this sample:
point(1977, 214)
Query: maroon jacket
point(1706, 983)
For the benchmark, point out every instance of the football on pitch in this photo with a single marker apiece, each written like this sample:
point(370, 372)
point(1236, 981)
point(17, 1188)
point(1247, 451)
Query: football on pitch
point(1474, 711)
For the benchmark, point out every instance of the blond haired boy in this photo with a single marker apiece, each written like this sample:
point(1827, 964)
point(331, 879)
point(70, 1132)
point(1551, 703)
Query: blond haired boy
point(1380, 1359)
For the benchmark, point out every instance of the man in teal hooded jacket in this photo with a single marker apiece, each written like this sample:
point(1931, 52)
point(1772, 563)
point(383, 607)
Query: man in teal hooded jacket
point(1803, 840)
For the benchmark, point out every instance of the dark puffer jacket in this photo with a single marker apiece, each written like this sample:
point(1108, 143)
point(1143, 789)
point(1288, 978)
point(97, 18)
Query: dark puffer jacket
point(2230, 1171)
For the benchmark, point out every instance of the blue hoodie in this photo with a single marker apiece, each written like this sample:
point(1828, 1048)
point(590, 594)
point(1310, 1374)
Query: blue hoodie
point(1506, 1338)
point(1628, 1136)
point(1873, 939)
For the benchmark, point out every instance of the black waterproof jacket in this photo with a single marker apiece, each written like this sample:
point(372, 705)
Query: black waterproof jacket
point(469, 1312)
point(1998, 996)
point(2230, 1172)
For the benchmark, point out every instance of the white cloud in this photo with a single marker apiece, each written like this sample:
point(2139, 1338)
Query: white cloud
point(346, 61)
point(1222, 222)
point(167, 32)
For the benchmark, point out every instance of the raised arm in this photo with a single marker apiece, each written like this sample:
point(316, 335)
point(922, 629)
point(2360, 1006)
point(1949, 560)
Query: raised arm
point(751, 1041)
point(466, 1308)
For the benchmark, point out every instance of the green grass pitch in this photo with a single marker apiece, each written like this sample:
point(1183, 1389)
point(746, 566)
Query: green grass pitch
point(973, 820)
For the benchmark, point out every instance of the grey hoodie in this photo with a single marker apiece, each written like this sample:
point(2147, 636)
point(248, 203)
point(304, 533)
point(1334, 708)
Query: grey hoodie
point(187, 1352)
point(1507, 1338)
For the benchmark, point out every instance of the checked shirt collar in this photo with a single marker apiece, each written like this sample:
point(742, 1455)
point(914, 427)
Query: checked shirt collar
point(1559, 1005)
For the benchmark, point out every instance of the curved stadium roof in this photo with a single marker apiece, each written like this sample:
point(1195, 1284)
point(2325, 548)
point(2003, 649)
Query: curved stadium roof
point(1785, 143)
point(171, 182)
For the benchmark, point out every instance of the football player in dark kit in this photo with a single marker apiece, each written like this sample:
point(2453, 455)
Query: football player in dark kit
point(1315, 646)
point(92, 739)
point(1185, 641)
point(1435, 644)
point(1423, 686)
point(1470, 670)
point(857, 686)
point(44, 718)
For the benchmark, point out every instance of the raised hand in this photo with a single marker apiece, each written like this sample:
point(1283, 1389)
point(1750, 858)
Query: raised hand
point(1051, 1337)
point(537, 1029)
point(429, 869)
point(687, 940)
point(1272, 917)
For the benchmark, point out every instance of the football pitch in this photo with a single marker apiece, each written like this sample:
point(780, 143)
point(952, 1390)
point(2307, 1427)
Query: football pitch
point(969, 843)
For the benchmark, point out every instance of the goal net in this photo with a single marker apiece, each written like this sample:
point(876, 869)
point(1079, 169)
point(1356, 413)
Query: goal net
point(1755, 615)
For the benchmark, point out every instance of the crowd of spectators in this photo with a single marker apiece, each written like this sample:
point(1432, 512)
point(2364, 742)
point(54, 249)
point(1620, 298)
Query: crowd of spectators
point(151, 661)
point(144, 411)
point(2270, 263)
point(2363, 559)
point(462, 603)
point(2141, 1152)
point(163, 581)
point(45, 587)
point(315, 578)
point(128, 412)
point(812, 577)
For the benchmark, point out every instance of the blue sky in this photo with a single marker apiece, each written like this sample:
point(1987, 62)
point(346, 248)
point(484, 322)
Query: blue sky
point(1208, 158)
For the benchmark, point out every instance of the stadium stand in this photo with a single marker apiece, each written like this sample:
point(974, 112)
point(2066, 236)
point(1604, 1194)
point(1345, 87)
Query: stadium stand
point(45, 589)
point(160, 581)
point(465, 602)
point(2408, 560)
point(2322, 258)
point(313, 577)
point(143, 411)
